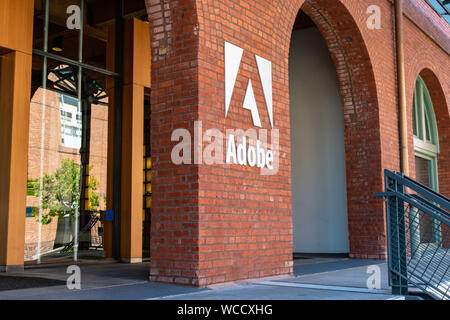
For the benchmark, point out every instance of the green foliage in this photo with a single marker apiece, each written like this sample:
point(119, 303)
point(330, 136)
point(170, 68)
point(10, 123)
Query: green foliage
point(61, 192)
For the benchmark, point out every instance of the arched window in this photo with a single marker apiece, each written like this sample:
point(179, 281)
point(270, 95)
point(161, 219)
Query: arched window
point(426, 138)
point(426, 150)
point(424, 120)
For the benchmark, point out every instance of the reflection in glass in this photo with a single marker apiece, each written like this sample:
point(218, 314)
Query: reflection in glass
point(66, 166)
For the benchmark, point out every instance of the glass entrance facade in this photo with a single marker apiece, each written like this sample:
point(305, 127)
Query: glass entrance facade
point(77, 84)
point(68, 140)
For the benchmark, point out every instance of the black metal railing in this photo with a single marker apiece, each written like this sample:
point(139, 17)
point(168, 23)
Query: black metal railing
point(418, 237)
point(86, 229)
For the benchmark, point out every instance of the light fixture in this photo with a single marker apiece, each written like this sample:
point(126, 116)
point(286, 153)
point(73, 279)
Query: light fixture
point(57, 44)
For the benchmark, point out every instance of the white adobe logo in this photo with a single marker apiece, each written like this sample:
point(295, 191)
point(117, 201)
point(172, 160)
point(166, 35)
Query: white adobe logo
point(233, 57)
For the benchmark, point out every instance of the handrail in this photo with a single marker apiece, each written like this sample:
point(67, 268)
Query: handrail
point(94, 219)
point(418, 236)
point(415, 201)
point(419, 188)
point(431, 205)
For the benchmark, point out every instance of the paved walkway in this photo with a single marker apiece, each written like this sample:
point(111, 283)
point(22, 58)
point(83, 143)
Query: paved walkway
point(316, 278)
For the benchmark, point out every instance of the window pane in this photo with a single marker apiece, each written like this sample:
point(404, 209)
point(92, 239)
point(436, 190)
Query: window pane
point(63, 27)
point(70, 122)
point(68, 144)
point(427, 128)
point(53, 171)
point(440, 7)
point(423, 167)
point(414, 115)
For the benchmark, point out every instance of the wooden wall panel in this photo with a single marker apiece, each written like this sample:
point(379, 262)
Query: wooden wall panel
point(16, 25)
point(132, 173)
point(136, 77)
point(15, 83)
point(142, 55)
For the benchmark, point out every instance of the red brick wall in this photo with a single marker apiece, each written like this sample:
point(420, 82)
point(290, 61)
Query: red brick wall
point(430, 60)
point(220, 223)
point(174, 99)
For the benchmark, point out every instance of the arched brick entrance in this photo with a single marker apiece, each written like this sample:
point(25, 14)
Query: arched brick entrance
point(361, 118)
point(443, 123)
point(440, 107)
point(222, 223)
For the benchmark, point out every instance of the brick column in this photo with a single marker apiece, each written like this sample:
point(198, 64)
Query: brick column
point(216, 223)
point(174, 104)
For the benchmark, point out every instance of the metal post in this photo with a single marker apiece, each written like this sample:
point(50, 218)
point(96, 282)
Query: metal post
point(401, 225)
point(80, 109)
point(44, 102)
point(85, 216)
point(414, 232)
point(397, 233)
point(437, 233)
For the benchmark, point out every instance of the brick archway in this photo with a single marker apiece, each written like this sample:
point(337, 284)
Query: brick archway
point(222, 223)
point(440, 106)
point(361, 119)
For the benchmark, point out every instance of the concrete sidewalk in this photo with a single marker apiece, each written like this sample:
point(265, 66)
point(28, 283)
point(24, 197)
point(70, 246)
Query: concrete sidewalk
point(314, 279)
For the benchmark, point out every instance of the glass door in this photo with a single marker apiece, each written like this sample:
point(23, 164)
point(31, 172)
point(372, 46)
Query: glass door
point(68, 141)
